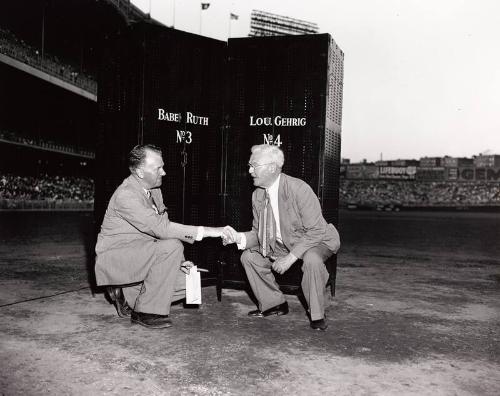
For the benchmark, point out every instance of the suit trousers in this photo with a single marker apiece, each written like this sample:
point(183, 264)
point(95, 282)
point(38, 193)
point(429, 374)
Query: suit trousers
point(163, 283)
point(314, 279)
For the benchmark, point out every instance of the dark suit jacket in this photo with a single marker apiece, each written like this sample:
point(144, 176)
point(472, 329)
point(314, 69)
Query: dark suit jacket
point(302, 224)
point(129, 231)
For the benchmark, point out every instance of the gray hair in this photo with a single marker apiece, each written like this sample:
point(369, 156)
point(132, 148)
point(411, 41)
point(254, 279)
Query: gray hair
point(137, 155)
point(274, 153)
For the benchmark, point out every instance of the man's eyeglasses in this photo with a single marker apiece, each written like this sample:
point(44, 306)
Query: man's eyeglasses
point(257, 165)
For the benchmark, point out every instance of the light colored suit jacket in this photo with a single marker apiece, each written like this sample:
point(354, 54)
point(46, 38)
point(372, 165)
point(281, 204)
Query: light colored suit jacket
point(129, 232)
point(302, 224)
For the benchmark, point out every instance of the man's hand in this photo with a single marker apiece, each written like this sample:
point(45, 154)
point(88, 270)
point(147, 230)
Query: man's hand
point(282, 264)
point(230, 235)
point(186, 266)
point(214, 232)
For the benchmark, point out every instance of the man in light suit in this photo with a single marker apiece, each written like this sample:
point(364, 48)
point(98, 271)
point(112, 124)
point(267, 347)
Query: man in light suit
point(139, 244)
point(287, 225)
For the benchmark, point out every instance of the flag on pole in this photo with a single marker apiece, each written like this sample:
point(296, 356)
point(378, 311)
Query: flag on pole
point(204, 6)
point(233, 16)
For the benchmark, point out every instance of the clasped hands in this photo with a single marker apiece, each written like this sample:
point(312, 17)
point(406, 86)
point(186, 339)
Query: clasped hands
point(280, 265)
point(227, 233)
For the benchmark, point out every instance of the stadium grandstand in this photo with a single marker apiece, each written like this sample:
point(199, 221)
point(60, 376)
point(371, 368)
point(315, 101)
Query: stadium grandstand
point(50, 53)
point(431, 182)
point(49, 62)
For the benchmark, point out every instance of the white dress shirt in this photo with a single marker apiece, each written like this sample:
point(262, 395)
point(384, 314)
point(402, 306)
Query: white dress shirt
point(273, 197)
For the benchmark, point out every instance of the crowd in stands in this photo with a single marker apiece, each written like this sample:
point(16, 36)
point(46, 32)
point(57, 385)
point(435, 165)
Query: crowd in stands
point(361, 193)
point(418, 193)
point(16, 48)
point(44, 144)
point(45, 187)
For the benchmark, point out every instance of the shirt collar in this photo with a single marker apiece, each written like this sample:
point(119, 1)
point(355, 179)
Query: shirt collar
point(273, 189)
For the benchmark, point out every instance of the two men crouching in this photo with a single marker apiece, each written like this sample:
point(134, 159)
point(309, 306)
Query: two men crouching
point(141, 250)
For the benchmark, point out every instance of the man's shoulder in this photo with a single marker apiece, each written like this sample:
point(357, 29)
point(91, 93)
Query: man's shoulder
point(294, 183)
point(292, 180)
point(126, 189)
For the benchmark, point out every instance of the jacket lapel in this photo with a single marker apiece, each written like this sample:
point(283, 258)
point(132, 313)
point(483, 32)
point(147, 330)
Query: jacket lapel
point(259, 199)
point(156, 195)
point(284, 209)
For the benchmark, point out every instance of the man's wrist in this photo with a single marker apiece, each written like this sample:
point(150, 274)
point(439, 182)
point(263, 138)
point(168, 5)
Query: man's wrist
point(200, 234)
point(241, 241)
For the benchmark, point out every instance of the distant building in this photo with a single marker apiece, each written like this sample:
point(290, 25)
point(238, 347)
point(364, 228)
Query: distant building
point(450, 162)
point(398, 162)
point(430, 162)
point(266, 24)
point(427, 169)
point(405, 162)
point(487, 161)
point(455, 162)
point(361, 171)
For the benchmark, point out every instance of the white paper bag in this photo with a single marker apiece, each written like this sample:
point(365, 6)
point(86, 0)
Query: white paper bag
point(193, 286)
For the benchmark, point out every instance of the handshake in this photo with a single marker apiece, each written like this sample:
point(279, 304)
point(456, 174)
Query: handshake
point(228, 234)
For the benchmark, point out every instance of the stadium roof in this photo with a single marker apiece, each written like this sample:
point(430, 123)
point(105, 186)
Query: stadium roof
point(71, 29)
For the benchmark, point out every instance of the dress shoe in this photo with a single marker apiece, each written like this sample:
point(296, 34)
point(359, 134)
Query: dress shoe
point(319, 324)
point(152, 321)
point(116, 295)
point(281, 309)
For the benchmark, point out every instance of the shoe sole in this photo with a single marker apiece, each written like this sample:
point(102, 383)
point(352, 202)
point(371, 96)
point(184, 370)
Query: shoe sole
point(320, 328)
point(269, 314)
point(276, 314)
point(160, 326)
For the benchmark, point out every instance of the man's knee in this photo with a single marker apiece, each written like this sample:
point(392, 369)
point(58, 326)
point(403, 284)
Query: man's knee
point(251, 258)
point(170, 245)
point(246, 258)
point(312, 261)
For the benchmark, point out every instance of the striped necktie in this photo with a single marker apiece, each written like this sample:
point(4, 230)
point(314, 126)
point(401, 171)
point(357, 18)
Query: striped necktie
point(267, 228)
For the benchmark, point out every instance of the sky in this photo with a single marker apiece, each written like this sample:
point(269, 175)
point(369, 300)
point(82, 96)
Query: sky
point(421, 77)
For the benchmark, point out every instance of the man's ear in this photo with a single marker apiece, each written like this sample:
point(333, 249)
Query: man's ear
point(139, 172)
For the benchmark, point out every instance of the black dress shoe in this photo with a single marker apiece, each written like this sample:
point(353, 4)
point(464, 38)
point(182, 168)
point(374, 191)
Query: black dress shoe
point(281, 309)
point(319, 324)
point(152, 321)
point(116, 295)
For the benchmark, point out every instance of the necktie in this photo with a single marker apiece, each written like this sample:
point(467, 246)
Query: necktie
point(267, 228)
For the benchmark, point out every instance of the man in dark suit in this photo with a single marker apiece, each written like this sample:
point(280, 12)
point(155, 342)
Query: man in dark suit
point(287, 225)
point(138, 244)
